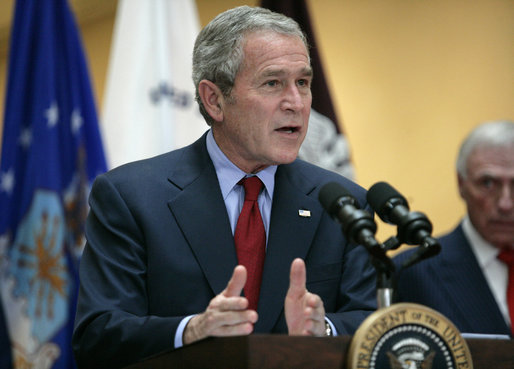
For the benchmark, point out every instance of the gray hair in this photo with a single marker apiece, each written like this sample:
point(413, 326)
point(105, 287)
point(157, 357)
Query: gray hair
point(489, 134)
point(218, 50)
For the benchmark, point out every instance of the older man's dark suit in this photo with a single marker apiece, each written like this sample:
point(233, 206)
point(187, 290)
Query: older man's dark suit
point(453, 284)
point(160, 247)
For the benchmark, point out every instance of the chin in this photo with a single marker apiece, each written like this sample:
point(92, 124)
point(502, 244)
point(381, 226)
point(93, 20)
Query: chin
point(287, 158)
point(503, 242)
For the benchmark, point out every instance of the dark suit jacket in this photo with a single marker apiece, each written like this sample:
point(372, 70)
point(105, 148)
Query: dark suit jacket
point(453, 284)
point(160, 247)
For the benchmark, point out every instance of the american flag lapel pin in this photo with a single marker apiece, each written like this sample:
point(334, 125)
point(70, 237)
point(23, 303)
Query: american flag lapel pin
point(304, 213)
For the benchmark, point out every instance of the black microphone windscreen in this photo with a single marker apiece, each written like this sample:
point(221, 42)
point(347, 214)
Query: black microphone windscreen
point(380, 193)
point(329, 194)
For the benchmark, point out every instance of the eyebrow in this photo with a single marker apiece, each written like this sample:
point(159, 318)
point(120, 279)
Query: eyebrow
point(306, 72)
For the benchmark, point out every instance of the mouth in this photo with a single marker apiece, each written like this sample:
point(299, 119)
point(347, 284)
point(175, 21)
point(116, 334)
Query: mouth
point(288, 129)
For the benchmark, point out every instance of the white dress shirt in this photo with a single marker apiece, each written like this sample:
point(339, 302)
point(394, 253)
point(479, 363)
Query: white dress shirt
point(495, 271)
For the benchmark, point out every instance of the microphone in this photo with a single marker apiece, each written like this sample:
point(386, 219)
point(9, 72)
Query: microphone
point(414, 228)
point(357, 225)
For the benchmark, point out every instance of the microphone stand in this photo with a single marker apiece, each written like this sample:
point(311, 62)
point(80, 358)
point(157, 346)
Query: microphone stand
point(385, 280)
point(385, 270)
point(386, 273)
point(360, 228)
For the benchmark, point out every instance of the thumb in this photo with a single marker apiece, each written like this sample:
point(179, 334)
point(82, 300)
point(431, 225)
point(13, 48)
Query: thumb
point(236, 283)
point(297, 279)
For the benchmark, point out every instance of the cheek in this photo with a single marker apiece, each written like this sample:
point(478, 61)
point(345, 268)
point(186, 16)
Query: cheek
point(474, 198)
point(477, 202)
point(256, 117)
point(482, 209)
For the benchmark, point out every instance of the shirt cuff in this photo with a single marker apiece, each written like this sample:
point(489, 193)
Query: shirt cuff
point(180, 331)
point(332, 326)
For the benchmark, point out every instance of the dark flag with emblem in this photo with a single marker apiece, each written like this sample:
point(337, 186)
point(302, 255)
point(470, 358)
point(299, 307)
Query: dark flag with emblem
point(5, 344)
point(325, 145)
point(51, 152)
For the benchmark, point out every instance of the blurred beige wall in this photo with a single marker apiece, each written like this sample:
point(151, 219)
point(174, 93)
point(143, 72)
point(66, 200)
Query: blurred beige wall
point(409, 80)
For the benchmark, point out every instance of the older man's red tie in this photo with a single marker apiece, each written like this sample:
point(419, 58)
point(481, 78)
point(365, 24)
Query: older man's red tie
point(507, 256)
point(250, 239)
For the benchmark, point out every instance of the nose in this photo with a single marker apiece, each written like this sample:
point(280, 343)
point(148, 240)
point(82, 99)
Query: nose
point(506, 198)
point(294, 99)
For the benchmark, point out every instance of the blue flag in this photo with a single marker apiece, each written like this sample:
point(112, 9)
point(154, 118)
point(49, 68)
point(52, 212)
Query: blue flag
point(51, 152)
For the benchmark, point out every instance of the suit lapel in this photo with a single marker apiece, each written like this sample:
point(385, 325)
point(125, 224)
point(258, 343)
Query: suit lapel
point(201, 214)
point(290, 195)
point(461, 276)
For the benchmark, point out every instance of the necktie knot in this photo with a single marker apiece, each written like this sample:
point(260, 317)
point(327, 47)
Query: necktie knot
point(507, 256)
point(252, 186)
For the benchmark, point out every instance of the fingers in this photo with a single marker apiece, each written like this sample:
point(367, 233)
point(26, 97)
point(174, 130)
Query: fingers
point(230, 323)
point(314, 315)
point(297, 279)
point(213, 322)
point(236, 283)
point(230, 298)
point(313, 302)
point(226, 315)
point(305, 312)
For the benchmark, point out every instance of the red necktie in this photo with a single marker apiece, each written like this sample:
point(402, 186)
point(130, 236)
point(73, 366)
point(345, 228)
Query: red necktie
point(507, 256)
point(250, 240)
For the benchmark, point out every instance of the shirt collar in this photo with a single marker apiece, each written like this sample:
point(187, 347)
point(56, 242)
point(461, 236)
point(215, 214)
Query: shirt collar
point(229, 174)
point(484, 251)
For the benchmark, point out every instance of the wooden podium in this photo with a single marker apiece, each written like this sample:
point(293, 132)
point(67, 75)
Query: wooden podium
point(282, 352)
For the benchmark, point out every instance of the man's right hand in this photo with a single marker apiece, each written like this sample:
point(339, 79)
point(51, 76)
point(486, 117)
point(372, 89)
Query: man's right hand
point(226, 315)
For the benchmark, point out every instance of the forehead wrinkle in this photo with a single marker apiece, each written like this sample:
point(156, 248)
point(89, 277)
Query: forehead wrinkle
point(277, 72)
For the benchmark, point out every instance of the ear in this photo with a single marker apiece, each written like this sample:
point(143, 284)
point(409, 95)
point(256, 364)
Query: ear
point(211, 97)
point(461, 181)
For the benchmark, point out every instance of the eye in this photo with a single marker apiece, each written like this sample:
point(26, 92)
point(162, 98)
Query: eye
point(303, 82)
point(487, 184)
point(272, 83)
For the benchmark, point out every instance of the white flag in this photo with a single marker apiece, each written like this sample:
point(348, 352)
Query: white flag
point(149, 105)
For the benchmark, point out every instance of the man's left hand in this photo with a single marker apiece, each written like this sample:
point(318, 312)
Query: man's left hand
point(305, 313)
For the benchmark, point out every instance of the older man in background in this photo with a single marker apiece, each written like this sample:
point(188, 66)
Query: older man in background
point(471, 282)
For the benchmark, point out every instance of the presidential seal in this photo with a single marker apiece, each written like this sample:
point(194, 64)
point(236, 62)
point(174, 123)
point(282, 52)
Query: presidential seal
point(408, 336)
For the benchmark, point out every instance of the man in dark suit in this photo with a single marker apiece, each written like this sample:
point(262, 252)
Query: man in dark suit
point(160, 267)
point(467, 282)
